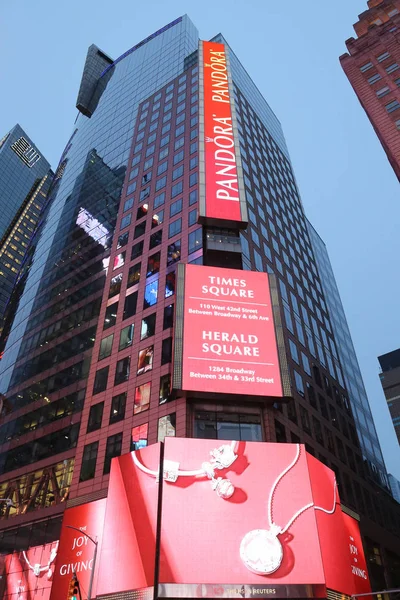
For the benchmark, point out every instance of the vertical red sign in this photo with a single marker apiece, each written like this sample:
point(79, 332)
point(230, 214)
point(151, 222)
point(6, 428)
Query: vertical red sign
point(229, 342)
point(76, 551)
point(221, 178)
point(358, 563)
point(130, 529)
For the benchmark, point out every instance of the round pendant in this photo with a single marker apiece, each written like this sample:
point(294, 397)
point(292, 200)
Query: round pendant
point(261, 551)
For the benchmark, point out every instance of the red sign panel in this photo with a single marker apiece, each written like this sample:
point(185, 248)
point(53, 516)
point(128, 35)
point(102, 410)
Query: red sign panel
point(221, 178)
point(129, 542)
point(229, 342)
point(358, 564)
point(29, 574)
point(76, 551)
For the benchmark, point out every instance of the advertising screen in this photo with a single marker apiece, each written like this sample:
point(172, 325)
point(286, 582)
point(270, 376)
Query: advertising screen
point(76, 551)
point(29, 574)
point(222, 195)
point(243, 529)
point(129, 541)
point(229, 340)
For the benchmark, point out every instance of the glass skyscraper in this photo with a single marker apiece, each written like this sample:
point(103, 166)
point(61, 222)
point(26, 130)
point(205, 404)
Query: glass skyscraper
point(87, 365)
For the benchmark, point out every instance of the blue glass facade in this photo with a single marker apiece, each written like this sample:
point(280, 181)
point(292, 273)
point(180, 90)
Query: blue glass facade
point(351, 370)
point(108, 135)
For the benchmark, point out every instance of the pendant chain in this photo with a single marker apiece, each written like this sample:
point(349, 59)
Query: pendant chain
point(37, 569)
point(299, 512)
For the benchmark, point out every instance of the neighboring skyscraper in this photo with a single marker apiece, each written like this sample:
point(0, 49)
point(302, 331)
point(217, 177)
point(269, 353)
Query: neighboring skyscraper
point(21, 166)
point(390, 380)
point(373, 69)
point(87, 366)
point(24, 181)
point(15, 241)
point(395, 487)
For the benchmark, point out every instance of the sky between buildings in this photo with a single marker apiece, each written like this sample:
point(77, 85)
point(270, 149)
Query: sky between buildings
point(291, 50)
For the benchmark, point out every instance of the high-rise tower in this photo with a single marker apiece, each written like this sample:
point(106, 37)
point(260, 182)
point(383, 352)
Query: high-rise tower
point(87, 367)
point(372, 66)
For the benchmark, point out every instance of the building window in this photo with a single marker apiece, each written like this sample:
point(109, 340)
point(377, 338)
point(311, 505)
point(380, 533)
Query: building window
point(155, 239)
point(122, 370)
point(133, 275)
point(365, 67)
point(142, 398)
point(142, 211)
point(137, 250)
point(227, 426)
point(374, 78)
point(119, 260)
point(397, 123)
point(106, 346)
point(117, 412)
point(95, 417)
point(195, 240)
point(130, 305)
point(175, 208)
point(165, 388)
point(175, 227)
point(383, 91)
point(177, 189)
point(294, 352)
point(192, 219)
point(383, 56)
point(148, 326)
point(125, 221)
point(139, 230)
point(166, 351)
point(139, 437)
point(170, 284)
point(392, 68)
point(392, 106)
point(128, 204)
point(89, 459)
point(280, 432)
point(168, 316)
point(153, 264)
point(150, 294)
point(174, 252)
point(145, 360)
point(157, 219)
point(123, 239)
point(100, 380)
point(166, 427)
point(126, 337)
point(115, 285)
point(110, 317)
point(113, 449)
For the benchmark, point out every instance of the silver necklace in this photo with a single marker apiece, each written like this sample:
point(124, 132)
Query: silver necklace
point(221, 458)
point(37, 568)
point(260, 549)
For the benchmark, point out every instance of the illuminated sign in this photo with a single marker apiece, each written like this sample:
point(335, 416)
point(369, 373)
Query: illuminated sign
point(76, 551)
point(221, 193)
point(228, 339)
point(244, 519)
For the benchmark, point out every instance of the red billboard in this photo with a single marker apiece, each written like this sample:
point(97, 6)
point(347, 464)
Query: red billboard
point(29, 574)
point(222, 196)
point(229, 340)
point(76, 551)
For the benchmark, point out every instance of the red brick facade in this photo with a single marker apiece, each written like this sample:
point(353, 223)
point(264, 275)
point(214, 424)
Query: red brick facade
point(372, 66)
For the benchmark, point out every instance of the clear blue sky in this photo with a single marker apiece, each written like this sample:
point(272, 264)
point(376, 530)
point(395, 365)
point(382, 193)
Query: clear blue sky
point(291, 50)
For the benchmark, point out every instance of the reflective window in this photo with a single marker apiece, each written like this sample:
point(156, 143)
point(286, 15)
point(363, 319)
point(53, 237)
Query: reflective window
point(227, 426)
point(142, 398)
